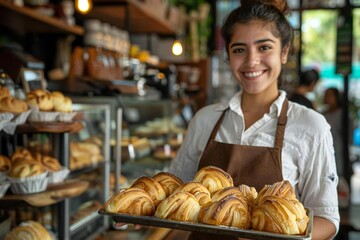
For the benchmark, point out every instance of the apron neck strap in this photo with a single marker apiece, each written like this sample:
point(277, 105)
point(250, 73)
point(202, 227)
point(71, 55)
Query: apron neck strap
point(280, 131)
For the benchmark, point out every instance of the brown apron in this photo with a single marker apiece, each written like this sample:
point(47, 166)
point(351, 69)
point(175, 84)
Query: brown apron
point(251, 165)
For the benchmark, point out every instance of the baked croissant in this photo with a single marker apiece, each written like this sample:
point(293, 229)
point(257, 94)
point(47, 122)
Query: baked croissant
point(133, 201)
point(51, 164)
point(152, 187)
point(229, 211)
point(280, 215)
point(199, 191)
point(5, 163)
point(29, 230)
point(4, 92)
point(250, 193)
point(281, 189)
point(40, 98)
point(12, 105)
point(21, 154)
point(22, 169)
point(213, 178)
point(222, 193)
point(180, 206)
point(168, 181)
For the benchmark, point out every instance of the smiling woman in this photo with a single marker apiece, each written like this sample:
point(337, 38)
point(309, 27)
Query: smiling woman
point(259, 137)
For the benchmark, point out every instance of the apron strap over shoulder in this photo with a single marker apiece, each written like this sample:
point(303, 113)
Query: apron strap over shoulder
point(279, 137)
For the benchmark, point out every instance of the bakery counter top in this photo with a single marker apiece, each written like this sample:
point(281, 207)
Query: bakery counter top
point(53, 194)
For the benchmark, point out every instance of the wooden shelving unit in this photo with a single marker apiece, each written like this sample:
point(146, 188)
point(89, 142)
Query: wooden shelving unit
point(24, 20)
point(132, 12)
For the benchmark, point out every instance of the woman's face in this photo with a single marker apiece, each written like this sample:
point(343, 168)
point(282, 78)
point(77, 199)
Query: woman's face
point(256, 57)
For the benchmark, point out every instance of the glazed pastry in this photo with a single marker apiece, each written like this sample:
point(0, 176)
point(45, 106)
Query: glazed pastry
point(180, 206)
point(280, 215)
point(168, 181)
point(29, 230)
point(21, 154)
point(282, 189)
point(222, 193)
point(22, 169)
point(12, 105)
point(152, 187)
point(51, 164)
point(40, 98)
point(133, 201)
point(229, 211)
point(213, 178)
point(5, 163)
point(57, 97)
point(201, 193)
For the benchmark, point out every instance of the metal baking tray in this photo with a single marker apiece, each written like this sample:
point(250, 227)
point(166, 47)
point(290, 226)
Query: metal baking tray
point(211, 229)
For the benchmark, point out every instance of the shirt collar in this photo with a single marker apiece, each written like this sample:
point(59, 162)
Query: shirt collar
point(235, 103)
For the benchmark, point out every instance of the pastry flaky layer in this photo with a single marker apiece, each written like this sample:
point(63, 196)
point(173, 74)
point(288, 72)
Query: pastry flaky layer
point(229, 211)
point(213, 178)
point(212, 199)
point(152, 187)
point(29, 230)
point(200, 192)
point(180, 206)
point(168, 181)
point(278, 210)
point(133, 201)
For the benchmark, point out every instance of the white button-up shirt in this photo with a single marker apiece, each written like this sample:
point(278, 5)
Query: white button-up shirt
point(307, 156)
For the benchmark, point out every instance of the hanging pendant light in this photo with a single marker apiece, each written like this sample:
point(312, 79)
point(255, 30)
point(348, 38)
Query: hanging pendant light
point(177, 48)
point(83, 6)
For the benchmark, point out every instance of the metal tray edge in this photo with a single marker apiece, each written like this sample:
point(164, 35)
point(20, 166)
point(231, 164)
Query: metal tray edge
point(204, 228)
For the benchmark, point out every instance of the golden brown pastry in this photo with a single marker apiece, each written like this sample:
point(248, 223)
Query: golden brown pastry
point(61, 103)
point(282, 189)
point(229, 211)
point(199, 191)
point(249, 192)
point(4, 92)
point(222, 193)
point(40, 98)
point(5, 163)
point(12, 105)
point(21, 154)
point(133, 201)
point(22, 169)
point(280, 215)
point(29, 230)
point(213, 178)
point(168, 181)
point(180, 206)
point(152, 187)
point(51, 164)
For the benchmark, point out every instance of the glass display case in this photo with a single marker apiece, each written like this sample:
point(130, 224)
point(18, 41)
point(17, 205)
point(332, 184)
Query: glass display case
point(145, 135)
point(68, 207)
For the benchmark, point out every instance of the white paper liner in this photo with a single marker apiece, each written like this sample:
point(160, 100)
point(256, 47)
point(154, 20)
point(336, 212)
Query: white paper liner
point(5, 119)
point(66, 117)
point(3, 188)
point(38, 116)
point(22, 117)
point(58, 176)
point(32, 184)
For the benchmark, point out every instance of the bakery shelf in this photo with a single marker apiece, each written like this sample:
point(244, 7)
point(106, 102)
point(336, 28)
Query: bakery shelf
point(55, 193)
point(132, 12)
point(25, 19)
point(50, 127)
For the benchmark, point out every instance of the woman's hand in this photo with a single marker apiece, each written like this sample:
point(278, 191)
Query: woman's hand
point(123, 226)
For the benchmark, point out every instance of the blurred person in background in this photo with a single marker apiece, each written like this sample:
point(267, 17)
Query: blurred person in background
point(307, 83)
